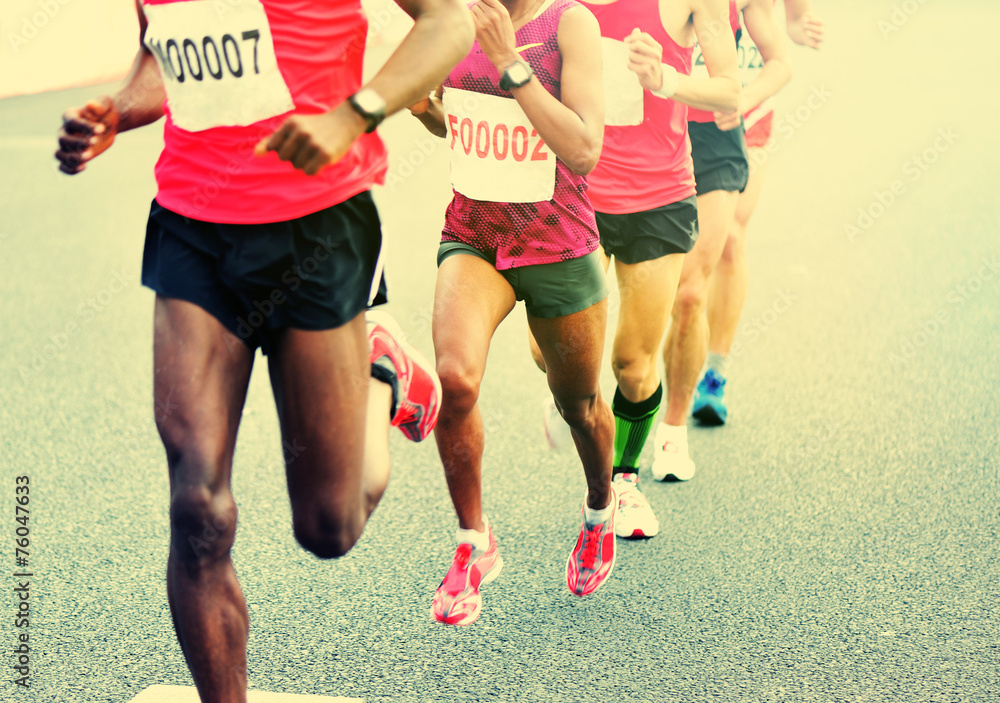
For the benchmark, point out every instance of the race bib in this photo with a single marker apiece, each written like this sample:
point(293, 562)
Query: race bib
point(622, 90)
point(751, 62)
point(218, 63)
point(496, 154)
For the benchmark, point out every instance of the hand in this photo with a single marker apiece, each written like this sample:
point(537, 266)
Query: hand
point(495, 32)
point(645, 59)
point(311, 142)
point(86, 132)
point(808, 31)
point(421, 106)
point(726, 121)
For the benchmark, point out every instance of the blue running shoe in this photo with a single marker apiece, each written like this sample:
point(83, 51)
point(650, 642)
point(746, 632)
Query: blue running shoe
point(709, 408)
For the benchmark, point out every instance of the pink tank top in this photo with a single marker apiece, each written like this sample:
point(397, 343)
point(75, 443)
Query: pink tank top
point(695, 115)
point(234, 71)
point(514, 200)
point(646, 161)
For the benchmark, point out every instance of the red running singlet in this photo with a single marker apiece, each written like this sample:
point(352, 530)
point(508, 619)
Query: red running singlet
point(234, 71)
point(646, 161)
point(514, 200)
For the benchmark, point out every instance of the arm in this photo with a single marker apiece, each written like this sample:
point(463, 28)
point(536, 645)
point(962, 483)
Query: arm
point(804, 28)
point(430, 112)
point(88, 131)
point(440, 37)
point(763, 27)
point(721, 91)
point(573, 128)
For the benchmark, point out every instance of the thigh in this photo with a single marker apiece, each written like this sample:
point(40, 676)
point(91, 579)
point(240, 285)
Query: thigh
point(716, 212)
point(751, 196)
point(572, 346)
point(320, 383)
point(201, 372)
point(471, 299)
point(647, 293)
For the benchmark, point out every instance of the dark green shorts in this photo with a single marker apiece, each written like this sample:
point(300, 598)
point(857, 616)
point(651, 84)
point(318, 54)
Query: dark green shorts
point(548, 290)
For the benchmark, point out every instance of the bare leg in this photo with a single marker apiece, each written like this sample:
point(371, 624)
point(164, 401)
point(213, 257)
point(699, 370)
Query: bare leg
point(728, 287)
point(201, 376)
point(574, 379)
point(334, 424)
point(687, 340)
point(470, 302)
point(647, 296)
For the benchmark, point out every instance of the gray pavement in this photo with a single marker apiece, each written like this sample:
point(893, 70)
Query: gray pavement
point(838, 543)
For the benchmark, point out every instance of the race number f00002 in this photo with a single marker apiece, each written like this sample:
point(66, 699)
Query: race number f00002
point(496, 155)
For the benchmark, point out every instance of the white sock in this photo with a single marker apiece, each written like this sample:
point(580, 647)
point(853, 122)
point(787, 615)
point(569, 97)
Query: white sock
point(596, 517)
point(718, 363)
point(478, 540)
point(678, 434)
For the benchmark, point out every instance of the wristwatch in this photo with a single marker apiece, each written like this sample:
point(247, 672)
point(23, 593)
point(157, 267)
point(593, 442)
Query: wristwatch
point(516, 75)
point(370, 105)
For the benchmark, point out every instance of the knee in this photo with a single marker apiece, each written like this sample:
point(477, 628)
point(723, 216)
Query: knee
point(734, 250)
point(327, 530)
point(581, 413)
point(459, 385)
point(631, 370)
point(691, 298)
point(202, 523)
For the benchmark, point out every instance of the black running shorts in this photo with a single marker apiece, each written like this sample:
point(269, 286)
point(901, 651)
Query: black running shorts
point(651, 234)
point(720, 158)
point(312, 273)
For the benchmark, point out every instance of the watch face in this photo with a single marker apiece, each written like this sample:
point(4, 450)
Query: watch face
point(519, 73)
point(370, 102)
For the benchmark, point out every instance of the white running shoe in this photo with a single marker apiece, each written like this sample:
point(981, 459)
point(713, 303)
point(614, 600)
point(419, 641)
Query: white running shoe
point(635, 518)
point(671, 461)
point(557, 432)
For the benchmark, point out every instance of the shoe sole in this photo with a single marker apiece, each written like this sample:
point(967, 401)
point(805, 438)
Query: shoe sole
point(637, 534)
point(411, 429)
point(707, 415)
point(674, 478)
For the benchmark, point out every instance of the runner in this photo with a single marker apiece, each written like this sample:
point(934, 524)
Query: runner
point(246, 251)
point(721, 170)
point(524, 122)
point(764, 66)
point(644, 192)
point(804, 28)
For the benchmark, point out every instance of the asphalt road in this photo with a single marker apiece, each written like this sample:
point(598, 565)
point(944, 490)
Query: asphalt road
point(838, 543)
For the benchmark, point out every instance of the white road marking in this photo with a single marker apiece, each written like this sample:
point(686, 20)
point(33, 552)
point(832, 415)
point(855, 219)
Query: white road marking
point(188, 694)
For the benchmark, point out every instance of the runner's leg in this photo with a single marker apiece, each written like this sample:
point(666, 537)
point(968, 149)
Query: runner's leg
point(687, 340)
point(728, 287)
point(334, 426)
point(470, 301)
point(200, 382)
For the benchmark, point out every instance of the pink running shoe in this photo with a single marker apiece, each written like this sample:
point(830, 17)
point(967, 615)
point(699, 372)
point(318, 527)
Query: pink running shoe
point(593, 559)
point(457, 600)
point(419, 400)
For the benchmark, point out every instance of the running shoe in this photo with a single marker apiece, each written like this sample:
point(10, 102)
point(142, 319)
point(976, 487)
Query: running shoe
point(419, 389)
point(457, 600)
point(635, 519)
point(709, 408)
point(671, 461)
point(557, 432)
point(593, 558)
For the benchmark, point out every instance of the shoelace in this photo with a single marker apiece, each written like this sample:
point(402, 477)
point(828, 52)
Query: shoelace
point(713, 383)
point(591, 543)
point(455, 581)
point(631, 498)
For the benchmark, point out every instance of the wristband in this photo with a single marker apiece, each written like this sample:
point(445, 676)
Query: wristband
point(669, 85)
